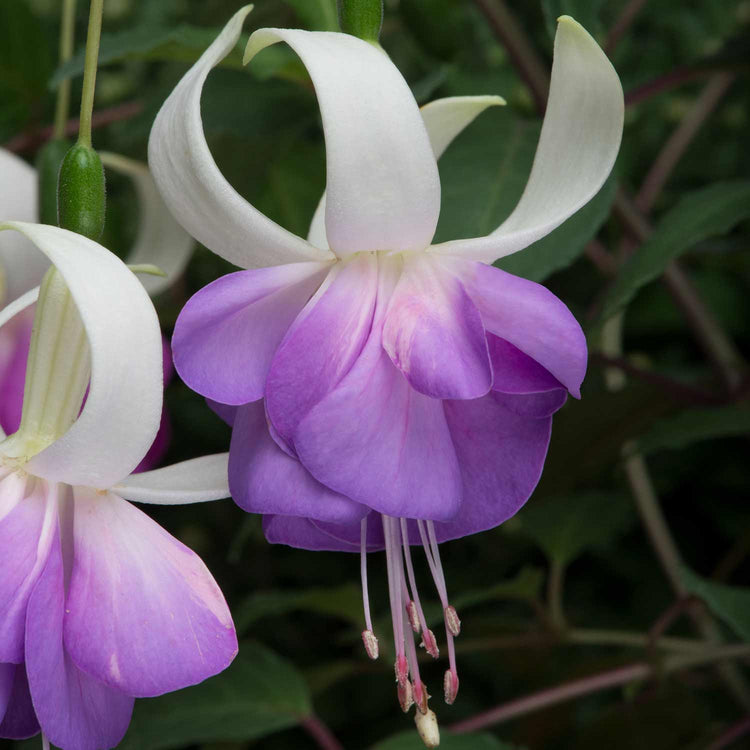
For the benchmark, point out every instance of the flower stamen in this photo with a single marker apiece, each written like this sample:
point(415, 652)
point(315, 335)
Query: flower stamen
point(368, 635)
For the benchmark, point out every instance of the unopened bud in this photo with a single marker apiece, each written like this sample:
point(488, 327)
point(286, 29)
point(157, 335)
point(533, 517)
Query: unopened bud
point(429, 643)
point(411, 611)
point(81, 199)
point(402, 669)
point(450, 686)
point(371, 644)
point(451, 620)
point(427, 727)
point(405, 696)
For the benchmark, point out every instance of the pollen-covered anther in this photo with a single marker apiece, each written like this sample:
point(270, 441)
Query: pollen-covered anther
point(429, 643)
point(451, 620)
point(421, 696)
point(371, 644)
point(411, 611)
point(405, 696)
point(450, 686)
point(427, 726)
point(402, 669)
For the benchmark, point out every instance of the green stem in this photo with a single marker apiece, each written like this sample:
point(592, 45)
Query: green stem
point(62, 105)
point(613, 678)
point(89, 71)
point(555, 583)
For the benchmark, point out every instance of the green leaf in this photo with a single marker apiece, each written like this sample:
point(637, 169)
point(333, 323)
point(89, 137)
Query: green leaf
point(703, 214)
point(183, 43)
point(564, 245)
point(730, 603)
point(340, 601)
point(565, 526)
point(316, 15)
point(694, 425)
point(411, 741)
point(483, 174)
point(258, 694)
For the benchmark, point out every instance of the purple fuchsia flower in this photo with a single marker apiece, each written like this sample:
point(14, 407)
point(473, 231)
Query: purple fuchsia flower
point(98, 604)
point(384, 392)
point(159, 240)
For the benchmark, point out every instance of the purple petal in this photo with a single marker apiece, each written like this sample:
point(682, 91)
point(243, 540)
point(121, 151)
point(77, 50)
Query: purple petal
point(74, 709)
point(24, 541)
point(17, 715)
point(143, 614)
point(15, 337)
point(265, 479)
point(225, 412)
point(527, 388)
point(323, 343)
point(501, 455)
point(227, 333)
point(530, 317)
point(434, 334)
point(302, 533)
point(379, 442)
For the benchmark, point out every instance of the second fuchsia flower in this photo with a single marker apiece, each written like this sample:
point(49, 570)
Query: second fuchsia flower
point(384, 391)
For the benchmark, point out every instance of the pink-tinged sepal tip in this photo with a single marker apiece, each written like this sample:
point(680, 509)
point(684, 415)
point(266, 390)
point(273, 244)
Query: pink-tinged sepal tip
point(405, 696)
point(402, 669)
point(413, 615)
point(451, 620)
point(429, 643)
point(371, 644)
point(450, 686)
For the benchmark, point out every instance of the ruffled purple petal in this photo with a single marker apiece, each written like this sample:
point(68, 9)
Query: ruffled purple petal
point(265, 479)
point(17, 715)
point(303, 533)
point(379, 442)
point(323, 343)
point(74, 709)
point(434, 334)
point(527, 388)
point(15, 338)
point(528, 316)
point(225, 412)
point(226, 335)
point(24, 541)
point(143, 614)
point(501, 454)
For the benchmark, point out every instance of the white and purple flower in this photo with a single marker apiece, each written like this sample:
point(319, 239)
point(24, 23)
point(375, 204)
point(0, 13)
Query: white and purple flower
point(98, 604)
point(384, 391)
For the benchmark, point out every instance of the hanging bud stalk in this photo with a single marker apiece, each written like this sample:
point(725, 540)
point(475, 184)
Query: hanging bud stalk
point(362, 18)
point(81, 199)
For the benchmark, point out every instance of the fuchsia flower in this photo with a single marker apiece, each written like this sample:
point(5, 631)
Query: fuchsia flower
point(160, 240)
point(384, 391)
point(98, 604)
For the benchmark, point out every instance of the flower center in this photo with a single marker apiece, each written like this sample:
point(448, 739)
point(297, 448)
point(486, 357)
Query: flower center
point(57, 373)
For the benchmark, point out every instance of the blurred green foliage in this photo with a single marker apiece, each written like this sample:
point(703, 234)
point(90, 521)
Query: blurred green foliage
point(263, 126)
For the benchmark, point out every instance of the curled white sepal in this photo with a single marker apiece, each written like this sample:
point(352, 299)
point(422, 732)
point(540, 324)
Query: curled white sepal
point(21, 264)
point(383, 188)
point(444, 119)
point(160, 241)
point(194, 189)
point(576, 152)
point(122, 411)
point(195, 481)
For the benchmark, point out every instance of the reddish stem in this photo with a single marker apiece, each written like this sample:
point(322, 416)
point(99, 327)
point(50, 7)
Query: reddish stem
point(322, 735)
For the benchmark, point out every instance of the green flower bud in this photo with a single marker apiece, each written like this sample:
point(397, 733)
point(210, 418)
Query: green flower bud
point(48, 163)
point(81, 199)
point(362, 18)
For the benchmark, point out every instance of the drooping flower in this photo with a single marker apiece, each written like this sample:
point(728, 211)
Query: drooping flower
point(160, 241)
point(98, 604)
point(384, 391)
